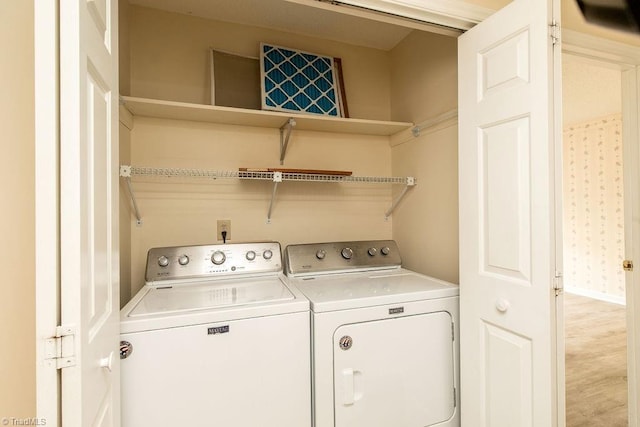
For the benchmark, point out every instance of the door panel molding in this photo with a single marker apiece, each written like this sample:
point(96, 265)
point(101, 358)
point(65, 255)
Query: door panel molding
point(506, 212)
point(505, 353)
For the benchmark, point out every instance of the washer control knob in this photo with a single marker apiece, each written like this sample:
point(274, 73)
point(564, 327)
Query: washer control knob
point(183, 260)
point(321, 254)
point(372, 251)
point(267, 254)
point(218, 257)
point(385, 250)
point(163, 261)
point(347, 253)
point(251, 255)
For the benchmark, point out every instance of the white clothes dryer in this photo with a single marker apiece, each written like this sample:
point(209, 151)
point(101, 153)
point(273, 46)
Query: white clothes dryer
point(216, 338)
point(385, 339)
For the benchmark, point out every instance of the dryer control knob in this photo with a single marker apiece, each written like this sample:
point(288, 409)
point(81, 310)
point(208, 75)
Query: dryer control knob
point(218, 257)
point(183, 260)
point(321, 254)
point(372, 251)
point(267, 254)
point(385, 250)
point(347, 253)
point(251, 255)
point(163, 261)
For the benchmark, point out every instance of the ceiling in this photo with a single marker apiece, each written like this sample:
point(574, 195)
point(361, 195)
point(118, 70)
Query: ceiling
point(295, 18)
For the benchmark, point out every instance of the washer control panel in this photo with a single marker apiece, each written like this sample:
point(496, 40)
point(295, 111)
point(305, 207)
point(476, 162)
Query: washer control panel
point(182, 262)
point(341, 256)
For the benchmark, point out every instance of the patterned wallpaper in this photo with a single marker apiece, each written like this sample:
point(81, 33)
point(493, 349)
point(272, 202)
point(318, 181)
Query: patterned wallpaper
point(593, 206)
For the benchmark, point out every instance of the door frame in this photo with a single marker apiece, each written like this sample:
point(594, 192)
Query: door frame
point(47, 201)
point(627, 57)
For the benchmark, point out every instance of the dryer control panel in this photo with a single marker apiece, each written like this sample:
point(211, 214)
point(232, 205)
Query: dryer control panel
point(185, 262)
point(335, 257)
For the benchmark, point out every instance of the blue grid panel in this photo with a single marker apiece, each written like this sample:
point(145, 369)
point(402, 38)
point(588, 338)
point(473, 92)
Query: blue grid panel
point(297, 81)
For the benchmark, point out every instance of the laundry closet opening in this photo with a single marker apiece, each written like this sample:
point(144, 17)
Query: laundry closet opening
point(400, 85)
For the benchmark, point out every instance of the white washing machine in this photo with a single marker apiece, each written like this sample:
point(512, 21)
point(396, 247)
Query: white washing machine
point(216, 338)
point(385, 339)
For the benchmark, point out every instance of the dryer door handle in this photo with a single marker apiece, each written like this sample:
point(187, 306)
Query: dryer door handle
point(347, 382)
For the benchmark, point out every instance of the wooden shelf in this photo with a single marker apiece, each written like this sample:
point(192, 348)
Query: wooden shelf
point(238, 116)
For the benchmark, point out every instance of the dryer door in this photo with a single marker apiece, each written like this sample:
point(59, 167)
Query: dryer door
point(394, 372)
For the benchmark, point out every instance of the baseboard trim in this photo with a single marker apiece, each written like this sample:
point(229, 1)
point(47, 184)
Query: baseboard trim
point(620, 300)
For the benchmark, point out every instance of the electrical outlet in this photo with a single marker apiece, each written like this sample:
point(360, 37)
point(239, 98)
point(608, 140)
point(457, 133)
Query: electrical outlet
point(224, 225)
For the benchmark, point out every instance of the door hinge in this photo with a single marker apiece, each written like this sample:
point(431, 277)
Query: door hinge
point(61, 348)
point(554, 32)
point(557, 283)
point(627, 265)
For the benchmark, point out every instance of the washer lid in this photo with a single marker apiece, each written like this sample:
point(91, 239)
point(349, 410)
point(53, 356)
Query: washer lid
point(210, 295)
point(367, 289)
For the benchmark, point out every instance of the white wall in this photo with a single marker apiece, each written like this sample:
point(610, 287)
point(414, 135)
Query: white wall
point(125, 216)
point(590, 90)
point(593, 196)
point(126, 122)
point(425, 85)
point(593, 202)
point(17, 216)
point(124, 64)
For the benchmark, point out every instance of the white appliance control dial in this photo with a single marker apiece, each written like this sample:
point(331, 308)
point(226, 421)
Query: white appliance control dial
point(183, 260)
point(385, 250)
point(347, 253)
point(267, 254)
point(218, 257)
point(321, 254)
point(251, 255)
point(163, 261)
point(372, 251)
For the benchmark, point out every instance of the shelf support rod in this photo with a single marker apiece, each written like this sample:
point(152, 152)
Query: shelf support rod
point(284, 139)
point(417, 130)
point(411, 181)
point(125, 172)
point(277, 178)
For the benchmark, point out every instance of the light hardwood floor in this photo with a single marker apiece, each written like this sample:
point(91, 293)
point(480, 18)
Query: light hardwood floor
point(595, 362)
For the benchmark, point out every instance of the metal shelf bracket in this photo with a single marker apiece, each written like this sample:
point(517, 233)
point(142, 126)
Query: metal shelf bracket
point(125, 172)
point(277, 179)
point(411, 182)
point(285, 134)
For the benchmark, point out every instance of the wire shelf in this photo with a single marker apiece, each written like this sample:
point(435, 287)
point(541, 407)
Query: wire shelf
point(127, 172)
point(267, 176)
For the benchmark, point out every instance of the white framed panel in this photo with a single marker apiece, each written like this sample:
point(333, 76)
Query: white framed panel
point(505, 64)
point(508, 380)
point(505, 195)
point(99, 300)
